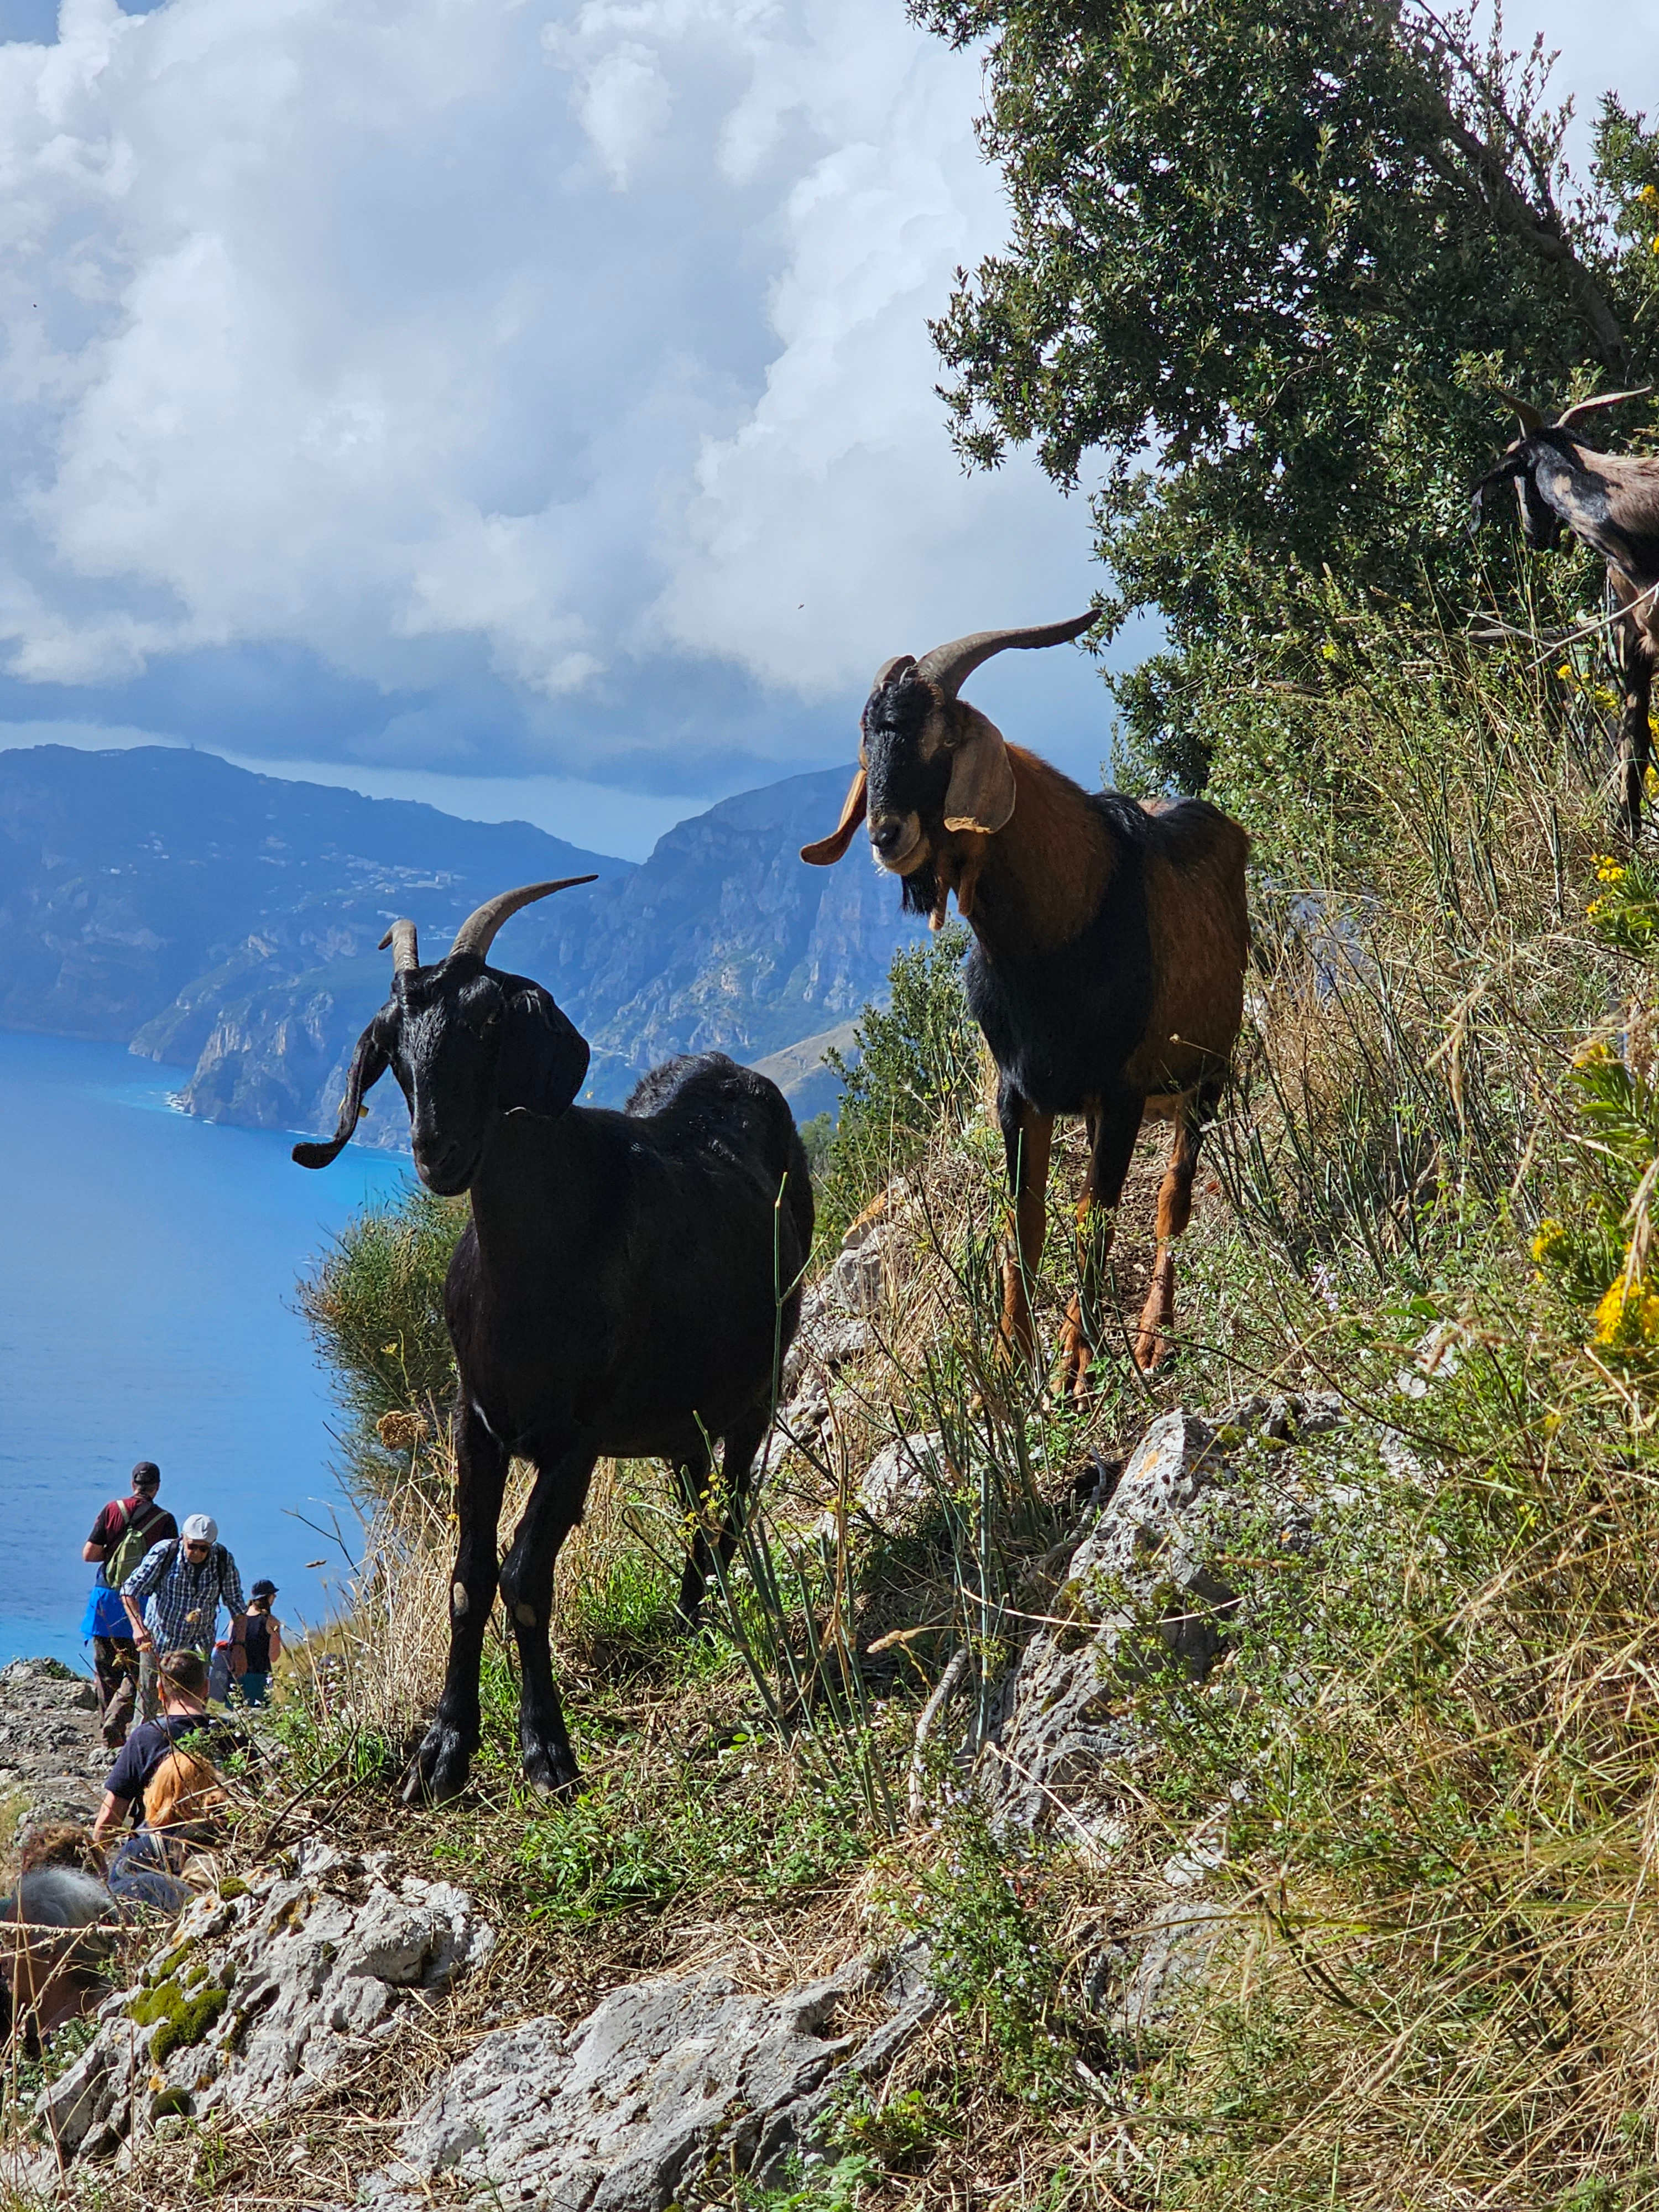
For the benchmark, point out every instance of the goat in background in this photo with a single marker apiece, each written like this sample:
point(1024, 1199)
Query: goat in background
point(1610, 503)
point(1110, 941)
point(628, 1285)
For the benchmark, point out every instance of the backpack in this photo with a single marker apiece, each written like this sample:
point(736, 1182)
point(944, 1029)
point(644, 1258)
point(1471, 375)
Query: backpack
point(130, 1547)
point(185, 1791)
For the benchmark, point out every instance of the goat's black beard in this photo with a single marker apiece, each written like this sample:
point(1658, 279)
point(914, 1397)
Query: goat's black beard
point(921, 889)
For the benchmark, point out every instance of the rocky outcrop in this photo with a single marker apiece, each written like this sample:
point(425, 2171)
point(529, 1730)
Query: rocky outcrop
point(261, 1994)
point(668, 2085)
point(1143, 1586)
point(52, 1759)
point(267, 1994)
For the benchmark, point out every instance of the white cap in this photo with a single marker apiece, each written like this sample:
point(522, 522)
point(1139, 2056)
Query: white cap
point(200, 1528)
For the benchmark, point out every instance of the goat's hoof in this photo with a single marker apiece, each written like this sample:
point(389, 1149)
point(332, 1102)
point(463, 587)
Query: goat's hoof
point(1150, 1353)
point(1075, 1358)
point(438, 1771)
point(554, 1773)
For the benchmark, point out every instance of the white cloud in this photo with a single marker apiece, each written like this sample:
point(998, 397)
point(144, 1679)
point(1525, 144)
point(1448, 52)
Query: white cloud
point(565, 343)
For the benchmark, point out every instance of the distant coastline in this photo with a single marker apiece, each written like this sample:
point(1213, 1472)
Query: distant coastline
point(153, 1315)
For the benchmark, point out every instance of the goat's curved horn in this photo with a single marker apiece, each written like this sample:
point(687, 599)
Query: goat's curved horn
point(948, 666)
point(405, 946)
point(368, 1065)
point(1530, 419)
point(477, 932)
point(1600, 399)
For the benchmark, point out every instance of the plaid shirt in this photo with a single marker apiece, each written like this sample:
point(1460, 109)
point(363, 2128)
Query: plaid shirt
point(182, 1611)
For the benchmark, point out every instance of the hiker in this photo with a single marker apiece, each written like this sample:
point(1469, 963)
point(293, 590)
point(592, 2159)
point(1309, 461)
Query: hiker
point(164, 1783)
point(181, 1586)
point(57, 1934)
point(131, 1789)
point(261, 1644)
point(245, 1658)
point(123, 1533)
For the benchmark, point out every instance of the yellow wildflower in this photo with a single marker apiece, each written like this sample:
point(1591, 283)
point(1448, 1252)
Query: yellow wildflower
point(1649, 196)
point(1565, 672)
point(1552, 1236)
point(1593, 1055)
point(1627, 1317)
point(1607, 870)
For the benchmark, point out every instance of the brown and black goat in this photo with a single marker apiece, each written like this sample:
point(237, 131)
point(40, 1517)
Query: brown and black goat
point(1107, 970)
point(1610, 503)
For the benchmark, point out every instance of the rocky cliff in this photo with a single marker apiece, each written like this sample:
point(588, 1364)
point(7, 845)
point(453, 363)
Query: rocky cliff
point(227, 922)
point(722, 940)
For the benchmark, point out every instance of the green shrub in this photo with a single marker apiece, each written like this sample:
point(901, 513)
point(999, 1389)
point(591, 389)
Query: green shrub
point(374, 1303)
point(915, 1078)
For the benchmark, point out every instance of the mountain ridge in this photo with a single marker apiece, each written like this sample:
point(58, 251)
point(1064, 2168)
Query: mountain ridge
point(217, 919)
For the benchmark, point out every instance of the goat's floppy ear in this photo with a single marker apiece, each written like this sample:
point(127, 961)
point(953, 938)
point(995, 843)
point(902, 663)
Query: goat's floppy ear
point(830, 849)
point(981, 793)
point(368, 1065)
point(544, 1061)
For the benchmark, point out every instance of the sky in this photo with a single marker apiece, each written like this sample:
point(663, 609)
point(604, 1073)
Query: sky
point(522, 404)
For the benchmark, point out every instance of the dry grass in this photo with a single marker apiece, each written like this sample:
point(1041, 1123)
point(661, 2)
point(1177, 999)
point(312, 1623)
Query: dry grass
point(1441, 1989)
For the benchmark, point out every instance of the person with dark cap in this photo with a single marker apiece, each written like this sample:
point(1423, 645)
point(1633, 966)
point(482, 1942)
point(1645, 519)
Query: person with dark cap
point(123, 1533)
point(256, 1645)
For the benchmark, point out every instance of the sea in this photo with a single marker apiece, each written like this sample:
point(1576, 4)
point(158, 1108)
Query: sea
point(147, 1310)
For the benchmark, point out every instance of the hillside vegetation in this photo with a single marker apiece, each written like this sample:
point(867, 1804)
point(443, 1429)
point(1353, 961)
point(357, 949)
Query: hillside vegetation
point(1420, 1778)
point(1341, 1893)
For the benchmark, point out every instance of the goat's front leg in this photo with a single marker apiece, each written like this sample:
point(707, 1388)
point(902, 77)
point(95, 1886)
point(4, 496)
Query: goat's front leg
point(439, 1767)
point(1113, 1127)
point(1027, 1137)
point(554, 1509)
point(1174, 1211)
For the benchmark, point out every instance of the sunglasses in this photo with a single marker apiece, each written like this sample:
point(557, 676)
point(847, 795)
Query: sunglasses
point(196, 1544)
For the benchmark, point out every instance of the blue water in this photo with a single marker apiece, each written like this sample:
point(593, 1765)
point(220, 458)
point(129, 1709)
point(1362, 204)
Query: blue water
point(146, 1312)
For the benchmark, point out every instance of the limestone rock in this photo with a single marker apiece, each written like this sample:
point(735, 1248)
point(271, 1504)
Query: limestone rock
point(52, 1759)
point(861, 1275)
point(256, 1999)
point(1173, 1951)
point(1142, 1577)
point(667, 2081)
point(901, 1480)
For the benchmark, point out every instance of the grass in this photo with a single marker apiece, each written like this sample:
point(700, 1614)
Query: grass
point(1428, 1750)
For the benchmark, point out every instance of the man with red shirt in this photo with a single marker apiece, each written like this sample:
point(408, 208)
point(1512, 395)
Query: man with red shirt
point(122, 1534)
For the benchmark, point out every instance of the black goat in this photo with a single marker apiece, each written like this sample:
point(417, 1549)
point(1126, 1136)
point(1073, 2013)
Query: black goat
point(1108, 974)
point(1610, 502)
point(627, 1285)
